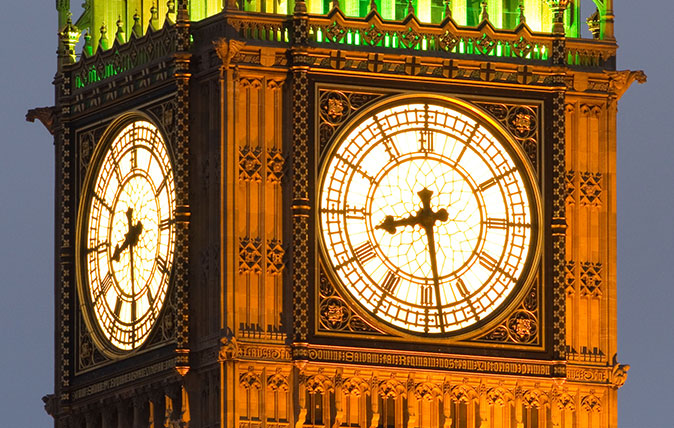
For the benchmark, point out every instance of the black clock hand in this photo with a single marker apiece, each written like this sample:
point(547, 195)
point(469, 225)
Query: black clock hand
point(425, 218)
point(130, 238)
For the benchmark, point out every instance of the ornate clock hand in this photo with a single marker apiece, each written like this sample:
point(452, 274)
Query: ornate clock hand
point(425, 218)
point(131, 237)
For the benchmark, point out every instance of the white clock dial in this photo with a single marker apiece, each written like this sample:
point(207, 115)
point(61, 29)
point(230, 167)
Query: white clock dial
point(127, 236)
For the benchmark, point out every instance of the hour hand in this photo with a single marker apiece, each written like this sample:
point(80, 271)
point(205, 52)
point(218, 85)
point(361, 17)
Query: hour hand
point(389, 224)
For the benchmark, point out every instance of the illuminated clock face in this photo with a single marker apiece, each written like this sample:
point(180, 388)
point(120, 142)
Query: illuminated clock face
point(427, 215)
point(127, 237)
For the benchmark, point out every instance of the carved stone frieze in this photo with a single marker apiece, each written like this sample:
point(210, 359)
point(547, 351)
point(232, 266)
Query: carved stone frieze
point(522, 326)
point(336, 107)
point(590, 187)
point(355, 386)
point(591, 403)
point(590, 279)
point(275, 166)
point(571, 188)
point(250, 164)
point(88, 355)
point(250, 255)
point(570, 271)
point(335, 314)
point(275, 257)
point(499, 396)
point(250, 379)
point(227, 50)
point(522, 122)
point(278, 381)
point(391, 388)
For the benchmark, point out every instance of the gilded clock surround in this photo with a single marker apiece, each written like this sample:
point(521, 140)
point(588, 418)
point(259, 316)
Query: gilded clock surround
point(444, 111)
point(520, 325)
point(130, 170)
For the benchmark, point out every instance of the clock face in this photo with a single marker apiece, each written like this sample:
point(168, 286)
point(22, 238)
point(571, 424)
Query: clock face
point(127, 237)
point(428, 215)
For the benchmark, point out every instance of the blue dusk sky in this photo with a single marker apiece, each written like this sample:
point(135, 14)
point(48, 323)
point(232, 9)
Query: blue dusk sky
point(645, 213)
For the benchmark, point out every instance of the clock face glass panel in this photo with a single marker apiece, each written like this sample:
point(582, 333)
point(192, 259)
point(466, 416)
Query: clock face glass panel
point(426, 218)
point(129, 236)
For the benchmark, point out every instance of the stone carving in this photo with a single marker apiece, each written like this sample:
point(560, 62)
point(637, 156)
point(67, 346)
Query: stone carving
point(250, 255)
point(618, 373)
point(250, 164)
point(275, 254)
point(336, 107)
point(590, 403)
point(335, 314)
point(620, 81)
point(570, 188)
point(250, 379)
point(590, 189)
point(570, 278)
point(275, 166)
point(590, 279)
point(229, 349)
point(392, 388)
point(45, 115)
point(355, 386)
point(521, 326)
point(278, 381)
point(227, 49)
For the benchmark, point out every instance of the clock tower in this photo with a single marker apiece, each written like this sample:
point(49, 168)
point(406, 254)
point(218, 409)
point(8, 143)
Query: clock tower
point(312, 213)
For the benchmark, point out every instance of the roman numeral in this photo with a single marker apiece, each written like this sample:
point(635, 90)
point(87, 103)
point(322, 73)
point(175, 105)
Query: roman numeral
point(134, 158)
point(391, 282)
point(426, 141)
point(487, 184)
point(102, 202)
point(118, 307)
point(118, 172)
point(150, 297)
point(461, 287)
point(497, 223)
point(100, 248)
point(161, 265)
point(364, 252)
point(350, 212)
point(161, 186)
point(356, 168)
point(106, 283)
point(488, 261)
point(164, 224)
point(426, 295)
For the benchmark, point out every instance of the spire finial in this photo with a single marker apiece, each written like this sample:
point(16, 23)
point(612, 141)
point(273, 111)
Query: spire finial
point(335, 4)
point(103, 41)
point(170, 11)
point(410, 7)
point(523, 18)
point(119, 35)
point(300, 7)
point(485, 15)
point(154, 17)
point(87, 48)
point(373, 6)
point(448, 8)
point(136, 30)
